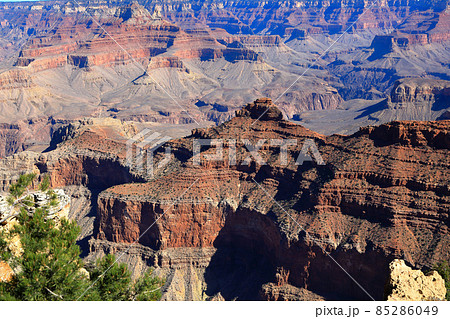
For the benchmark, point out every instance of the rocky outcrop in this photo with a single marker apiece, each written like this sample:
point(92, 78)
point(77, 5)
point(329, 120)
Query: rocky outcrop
point(221, 53)
point(415, 31)
point(107, 126)
point(235, 17)
point(391, 55)
point(414, 99)
point(14, 79)
point(140, 35)
point(411, 134)
point(308, 17)
point(22, 135)
point(406, 91)
point(410, 99)
point(287, 293)
point(364, 208)
point(382, 194)
point(406, 284)
point(166, 62)
point(261, 109)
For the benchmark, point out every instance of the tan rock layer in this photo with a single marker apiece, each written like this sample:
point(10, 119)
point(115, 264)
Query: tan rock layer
point(406, 284)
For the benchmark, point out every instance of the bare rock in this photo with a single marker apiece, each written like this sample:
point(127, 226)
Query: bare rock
point(6, 272)
point(286, 292)
point(262, 109)
point(414, 90)
point(406, 284)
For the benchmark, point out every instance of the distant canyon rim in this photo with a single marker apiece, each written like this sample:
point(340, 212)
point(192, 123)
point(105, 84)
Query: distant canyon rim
point(190, 63)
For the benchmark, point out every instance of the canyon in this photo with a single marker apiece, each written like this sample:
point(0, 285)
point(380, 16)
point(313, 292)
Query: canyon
point(244, 230)
point(197, 62)
point(308, 194)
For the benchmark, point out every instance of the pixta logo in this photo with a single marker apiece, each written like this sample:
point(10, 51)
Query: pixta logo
point(309, 151)
point(141, 148)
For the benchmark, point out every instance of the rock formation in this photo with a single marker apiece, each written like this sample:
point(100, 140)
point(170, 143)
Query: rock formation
point(414, 99)
point(406, 284)
point(216, 228)
point(6, 273)
point(58, 61)
point(410, 99)
point(410, 90)
point(383, 191)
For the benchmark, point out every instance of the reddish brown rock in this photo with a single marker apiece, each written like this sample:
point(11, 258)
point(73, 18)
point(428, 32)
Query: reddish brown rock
point(261, 109)
point(134, 29)
point(382, 194)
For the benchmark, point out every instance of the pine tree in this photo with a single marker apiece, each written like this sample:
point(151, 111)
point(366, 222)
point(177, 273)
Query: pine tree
point(49, 266)
point(147, 288)
point(112, 281)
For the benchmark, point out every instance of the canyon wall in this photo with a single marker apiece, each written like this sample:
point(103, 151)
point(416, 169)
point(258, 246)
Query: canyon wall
point(362, 210)
point(226, 230)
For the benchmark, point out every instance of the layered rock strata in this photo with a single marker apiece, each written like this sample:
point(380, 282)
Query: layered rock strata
point(244, 225)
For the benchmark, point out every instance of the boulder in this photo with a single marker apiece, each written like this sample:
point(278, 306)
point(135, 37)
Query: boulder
point(406, 284)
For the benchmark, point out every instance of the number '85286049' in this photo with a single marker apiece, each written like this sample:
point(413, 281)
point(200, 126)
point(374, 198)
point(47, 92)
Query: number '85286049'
point(406, 310)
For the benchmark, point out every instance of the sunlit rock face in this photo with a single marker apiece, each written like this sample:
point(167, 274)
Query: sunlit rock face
point(406, 284)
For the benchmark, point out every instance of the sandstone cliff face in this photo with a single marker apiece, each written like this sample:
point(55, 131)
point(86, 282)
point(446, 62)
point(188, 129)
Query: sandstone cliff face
point(13, 79)
point(22, 135)
point(61, 64)
point(307, 17)
point(141, 34)
point(382, 194)
point(420, 28)
point(414, 99)
point(406, 284)
point(366, 193)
